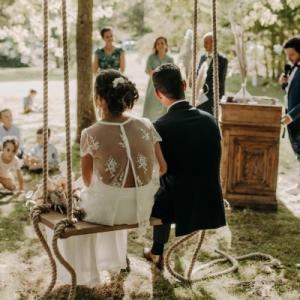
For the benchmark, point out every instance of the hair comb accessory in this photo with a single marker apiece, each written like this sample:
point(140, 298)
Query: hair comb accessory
point(117, 81)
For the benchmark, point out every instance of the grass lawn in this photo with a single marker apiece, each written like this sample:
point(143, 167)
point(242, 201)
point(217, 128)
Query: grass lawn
point(264, 87)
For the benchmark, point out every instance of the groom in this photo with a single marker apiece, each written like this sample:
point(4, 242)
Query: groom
point(190, 193)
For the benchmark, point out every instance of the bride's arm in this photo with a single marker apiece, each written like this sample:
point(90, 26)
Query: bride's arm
point(87, 169)
point(161, 160)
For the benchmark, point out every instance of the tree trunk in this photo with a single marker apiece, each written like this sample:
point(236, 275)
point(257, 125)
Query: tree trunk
point(266, 62)
point(84, 29)
point(273, 55)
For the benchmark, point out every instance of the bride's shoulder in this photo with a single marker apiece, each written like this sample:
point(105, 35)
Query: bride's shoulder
point(140, 121)
point(96, 127)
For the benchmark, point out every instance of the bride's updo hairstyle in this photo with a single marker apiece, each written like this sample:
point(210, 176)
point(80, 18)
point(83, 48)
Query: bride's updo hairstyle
point(119, 93)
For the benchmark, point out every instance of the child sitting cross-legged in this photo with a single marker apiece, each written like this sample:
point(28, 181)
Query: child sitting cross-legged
point(10, 163)
point(28, 102)
point(34, 159)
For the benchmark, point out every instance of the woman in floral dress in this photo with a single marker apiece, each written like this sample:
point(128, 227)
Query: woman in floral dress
point(108, 57)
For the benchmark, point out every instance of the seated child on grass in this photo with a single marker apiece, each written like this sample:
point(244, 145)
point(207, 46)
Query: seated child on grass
point(10, 163)
point(28, 102)
point(34, 160)
point(7, 128)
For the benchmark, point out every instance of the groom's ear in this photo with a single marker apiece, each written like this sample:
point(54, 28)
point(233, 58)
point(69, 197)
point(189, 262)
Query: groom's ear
point(158, 94)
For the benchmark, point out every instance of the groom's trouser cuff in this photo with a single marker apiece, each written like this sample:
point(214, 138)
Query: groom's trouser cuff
point(161, 235)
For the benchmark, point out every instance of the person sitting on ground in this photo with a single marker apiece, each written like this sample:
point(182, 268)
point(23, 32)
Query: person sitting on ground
point(7, 128)
point(34, 159)
point(10, 163)
point(120, 165)
point(28, 102)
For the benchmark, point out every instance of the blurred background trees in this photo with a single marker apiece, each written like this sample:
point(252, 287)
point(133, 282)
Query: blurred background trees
point(266, 24)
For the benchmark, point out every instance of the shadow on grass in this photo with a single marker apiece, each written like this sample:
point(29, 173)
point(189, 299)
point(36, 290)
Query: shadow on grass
point(6, 197)
point(162, 288)
point(110, 291)
point(274, 233)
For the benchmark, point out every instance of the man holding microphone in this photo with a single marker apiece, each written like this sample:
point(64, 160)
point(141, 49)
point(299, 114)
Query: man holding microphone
point(290, 82)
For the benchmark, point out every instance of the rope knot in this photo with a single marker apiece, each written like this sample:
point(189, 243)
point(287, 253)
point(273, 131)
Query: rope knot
point(61, 226)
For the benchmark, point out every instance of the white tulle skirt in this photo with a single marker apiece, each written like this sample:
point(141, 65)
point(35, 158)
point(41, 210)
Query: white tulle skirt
point(90, 254)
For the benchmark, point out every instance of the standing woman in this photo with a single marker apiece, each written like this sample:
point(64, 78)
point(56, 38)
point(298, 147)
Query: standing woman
point(152, 107)
point(108, 57)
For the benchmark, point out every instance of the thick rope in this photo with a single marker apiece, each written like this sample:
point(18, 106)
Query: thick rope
point(58, 231)
point(234, 261)
point(233, 268)
point(67, 111)
point(215, 62)
point(194, 70)
point(171, 250)
point(201, 237)
point(195, 255)
point(45, 102)
point(35, 216)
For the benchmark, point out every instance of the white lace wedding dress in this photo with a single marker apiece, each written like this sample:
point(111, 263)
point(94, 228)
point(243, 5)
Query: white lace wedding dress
point(117, 150)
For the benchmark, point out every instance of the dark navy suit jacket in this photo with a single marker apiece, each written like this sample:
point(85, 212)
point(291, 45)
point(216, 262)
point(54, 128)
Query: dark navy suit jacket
point(293, 108)
point(190, 194)
point(209, 86)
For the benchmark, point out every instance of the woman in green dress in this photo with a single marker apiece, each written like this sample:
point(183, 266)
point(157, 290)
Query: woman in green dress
point(108, 57)
point(152, 107)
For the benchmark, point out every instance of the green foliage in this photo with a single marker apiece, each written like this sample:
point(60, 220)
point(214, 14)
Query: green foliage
point(76, 159)
point(7, 62)
point(136, 15)
point(265, 87)
point(12, 228)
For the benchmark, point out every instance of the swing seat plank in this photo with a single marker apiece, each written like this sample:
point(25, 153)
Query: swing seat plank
point(80, 228)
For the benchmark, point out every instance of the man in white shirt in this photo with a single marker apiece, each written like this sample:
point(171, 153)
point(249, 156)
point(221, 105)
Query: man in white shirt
point(205, 72)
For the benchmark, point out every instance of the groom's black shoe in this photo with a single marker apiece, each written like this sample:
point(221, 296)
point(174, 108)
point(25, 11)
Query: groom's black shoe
point(157, 260)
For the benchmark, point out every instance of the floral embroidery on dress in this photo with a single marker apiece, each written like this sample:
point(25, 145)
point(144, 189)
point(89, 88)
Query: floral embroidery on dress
point(145, 134)
point(118, 182)
point(93, 145)
point(111, 166)
point(139, 181)
point(142, 162)
point(122, 143)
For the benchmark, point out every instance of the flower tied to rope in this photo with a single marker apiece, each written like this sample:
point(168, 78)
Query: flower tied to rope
point(117, 81)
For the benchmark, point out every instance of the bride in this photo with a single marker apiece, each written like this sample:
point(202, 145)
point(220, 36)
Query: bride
point(121, 161)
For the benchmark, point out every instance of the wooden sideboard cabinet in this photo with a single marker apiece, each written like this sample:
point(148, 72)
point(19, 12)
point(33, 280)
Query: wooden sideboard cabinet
point(250, 145)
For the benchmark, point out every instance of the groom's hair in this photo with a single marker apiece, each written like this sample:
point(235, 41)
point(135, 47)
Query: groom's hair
point(167, 79)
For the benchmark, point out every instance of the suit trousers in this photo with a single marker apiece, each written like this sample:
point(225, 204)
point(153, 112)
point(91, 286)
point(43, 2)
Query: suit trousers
point(161, 234)
point(294, 136)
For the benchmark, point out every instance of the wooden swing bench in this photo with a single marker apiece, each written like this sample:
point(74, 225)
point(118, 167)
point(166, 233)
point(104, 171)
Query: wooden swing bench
point(80, 228)
point(52, 218)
